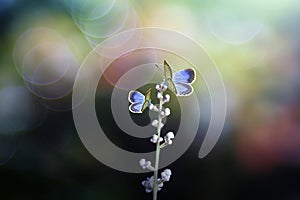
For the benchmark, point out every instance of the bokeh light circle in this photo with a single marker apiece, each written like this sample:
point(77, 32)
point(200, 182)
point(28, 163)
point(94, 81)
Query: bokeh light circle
point(91, 9)
point(35, 45)
point(46, 63)
point(100, 19)
point(132, 21)
point(233, 27)
point(123, 64)
point(59, 88)
point(48, 66)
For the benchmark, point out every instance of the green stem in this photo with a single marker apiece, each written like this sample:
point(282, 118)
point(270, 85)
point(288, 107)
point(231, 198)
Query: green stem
point(155, 186)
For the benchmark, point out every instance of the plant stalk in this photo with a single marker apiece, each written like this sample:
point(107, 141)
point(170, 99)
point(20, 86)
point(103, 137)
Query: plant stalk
point(155, 186)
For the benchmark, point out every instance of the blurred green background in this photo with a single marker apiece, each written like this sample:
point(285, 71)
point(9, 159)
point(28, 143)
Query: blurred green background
point(255, 45)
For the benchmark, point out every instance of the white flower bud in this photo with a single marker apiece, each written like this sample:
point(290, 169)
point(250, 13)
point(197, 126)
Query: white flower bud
point(161, 87)
point(145, 164)
point(159, 95)
point(153, 107)
point(167, 98)
point(155, 123)
point(166, 175)
point(155, 139)
point(169, 142)
point(157, 87)
point(142, 161)
point(167, 112)
point(169, 137)
point(149, 183)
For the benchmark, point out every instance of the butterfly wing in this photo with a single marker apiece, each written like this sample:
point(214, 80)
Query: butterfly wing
point(183, 80)
point(169, 77)
point(171, 85)
point(137, 100)
point(185, 76)
point(183, 89)
point(167, 70)
point(136, 97)
point(136, 108)
point(147, 99)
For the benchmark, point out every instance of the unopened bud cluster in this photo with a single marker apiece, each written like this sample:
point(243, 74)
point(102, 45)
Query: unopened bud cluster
point(149, 182)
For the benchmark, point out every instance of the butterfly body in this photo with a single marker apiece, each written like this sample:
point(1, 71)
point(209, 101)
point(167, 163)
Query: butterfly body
point(139, 102)
point(180, 81)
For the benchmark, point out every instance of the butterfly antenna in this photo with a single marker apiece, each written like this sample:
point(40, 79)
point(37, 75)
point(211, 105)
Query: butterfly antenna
point(159, 68)
point(165, 62)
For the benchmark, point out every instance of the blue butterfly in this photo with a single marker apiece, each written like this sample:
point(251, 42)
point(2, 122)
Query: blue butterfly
point(179, 82)
point(139, 102)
